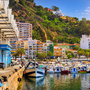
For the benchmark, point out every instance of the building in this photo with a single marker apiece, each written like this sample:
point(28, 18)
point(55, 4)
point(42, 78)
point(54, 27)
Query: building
point(50, 46)
point(85, 42)
point(66, 45)
point(8, 29)
point(48, 9)
point(25, 30)
point(39, 46)
point(13, 43)
point(59, 13)
point(32, 48)
point(57, 51)
point(64, 53)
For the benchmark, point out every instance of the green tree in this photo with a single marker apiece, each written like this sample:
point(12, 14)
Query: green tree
point(69, 56)
point(76, 47)
point(49, 54)
point(22, 2)
point(55, 8)
point(80, 52)
point(21, 51)
point(15, 55)
point(42, 55)
point(87, 54)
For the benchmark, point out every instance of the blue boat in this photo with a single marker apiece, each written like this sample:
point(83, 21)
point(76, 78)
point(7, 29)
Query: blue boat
point(74, 71)
point(57, 70)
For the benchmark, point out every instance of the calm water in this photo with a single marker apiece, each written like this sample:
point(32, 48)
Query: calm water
point(58, 82)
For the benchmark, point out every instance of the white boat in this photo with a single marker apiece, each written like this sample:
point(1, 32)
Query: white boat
point(34, 72)
point(50, 71)
point(57, 70)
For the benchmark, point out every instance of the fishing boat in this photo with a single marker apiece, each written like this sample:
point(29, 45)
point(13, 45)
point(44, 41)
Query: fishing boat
point(57, 70)
point(82, 70)
point(33, 70)
point(50, 71)
point(74, 71)
point(64, 71)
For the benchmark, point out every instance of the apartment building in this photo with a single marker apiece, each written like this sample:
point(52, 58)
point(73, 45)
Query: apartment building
point(39, 46)
point(32, 48)
point(57, 51)
point(8, 29)
point(20, 44)
point(13, 43)
point(85, 42)
point(25, 30)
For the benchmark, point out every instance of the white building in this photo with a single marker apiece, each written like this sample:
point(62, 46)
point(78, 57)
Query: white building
point(59, 13)
point(32, 47)
point(85, 42)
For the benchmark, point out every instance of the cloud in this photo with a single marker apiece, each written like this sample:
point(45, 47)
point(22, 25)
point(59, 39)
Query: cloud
point(88, 9)
point(86, 13)
point(82, 13)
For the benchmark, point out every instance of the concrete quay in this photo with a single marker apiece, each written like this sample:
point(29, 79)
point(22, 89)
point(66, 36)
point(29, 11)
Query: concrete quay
point(12, 77)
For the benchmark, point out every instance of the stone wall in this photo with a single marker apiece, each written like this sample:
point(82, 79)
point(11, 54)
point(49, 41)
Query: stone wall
point(13, 82)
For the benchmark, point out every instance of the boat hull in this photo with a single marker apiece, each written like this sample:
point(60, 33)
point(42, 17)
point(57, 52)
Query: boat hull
point(65, 72)
point(82, 71)
point(74, 72)
point(34, 72)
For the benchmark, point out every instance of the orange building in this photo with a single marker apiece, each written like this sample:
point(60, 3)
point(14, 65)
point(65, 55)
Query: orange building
point(47, 9)
point(57, 51)
point(20, 43)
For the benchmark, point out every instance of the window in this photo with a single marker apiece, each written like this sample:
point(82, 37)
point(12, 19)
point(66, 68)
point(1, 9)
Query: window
point(57, 51)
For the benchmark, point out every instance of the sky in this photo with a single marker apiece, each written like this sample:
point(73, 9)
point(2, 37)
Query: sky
point(72, 8)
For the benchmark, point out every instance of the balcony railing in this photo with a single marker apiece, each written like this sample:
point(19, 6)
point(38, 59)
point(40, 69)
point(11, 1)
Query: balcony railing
point(5, 42)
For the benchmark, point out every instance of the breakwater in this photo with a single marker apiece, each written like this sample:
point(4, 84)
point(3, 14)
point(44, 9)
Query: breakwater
point(12, 77)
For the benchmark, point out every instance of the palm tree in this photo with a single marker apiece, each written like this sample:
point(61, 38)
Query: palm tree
point(15, 55)
point(21, 51)
point(87, 54)
point(49, 54)
point(80, 52)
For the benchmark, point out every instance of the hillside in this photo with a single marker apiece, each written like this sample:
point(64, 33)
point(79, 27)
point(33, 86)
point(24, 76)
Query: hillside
point(49, 26)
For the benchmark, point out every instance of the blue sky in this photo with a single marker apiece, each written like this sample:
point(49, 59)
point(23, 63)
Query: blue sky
point(72, 8)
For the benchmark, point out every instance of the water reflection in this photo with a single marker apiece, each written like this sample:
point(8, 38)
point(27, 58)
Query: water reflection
point(58, 82)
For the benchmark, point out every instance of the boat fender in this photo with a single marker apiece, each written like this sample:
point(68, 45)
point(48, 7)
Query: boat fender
point(19, 79)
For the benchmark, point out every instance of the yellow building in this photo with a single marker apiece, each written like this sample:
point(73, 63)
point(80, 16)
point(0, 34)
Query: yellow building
point(57, 51)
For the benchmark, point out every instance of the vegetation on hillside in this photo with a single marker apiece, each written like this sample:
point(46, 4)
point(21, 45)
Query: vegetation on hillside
point(49, 26)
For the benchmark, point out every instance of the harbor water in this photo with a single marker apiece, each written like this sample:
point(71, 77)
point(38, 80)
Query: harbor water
point(58, 82)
